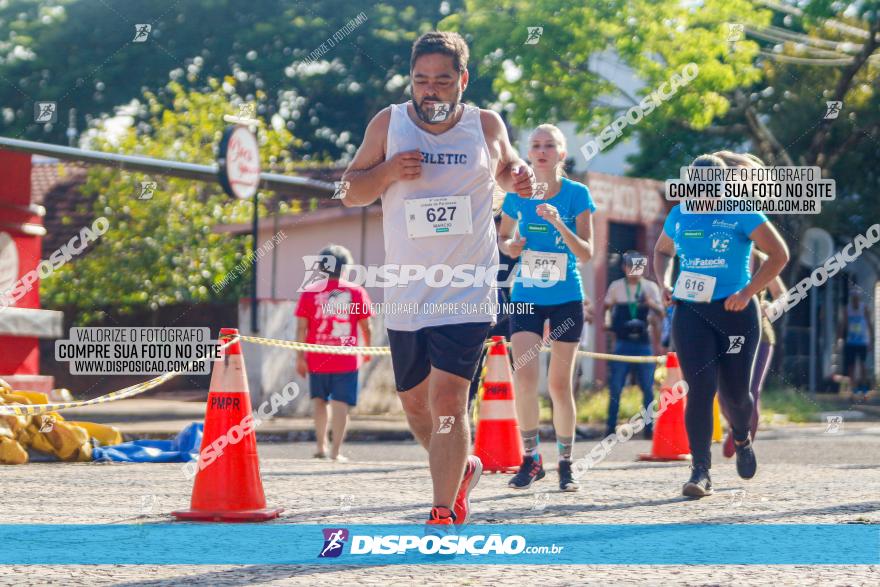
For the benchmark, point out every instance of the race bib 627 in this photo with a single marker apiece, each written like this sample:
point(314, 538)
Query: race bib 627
point(438, 216)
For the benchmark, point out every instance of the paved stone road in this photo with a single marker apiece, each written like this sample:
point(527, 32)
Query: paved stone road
point(805, 476)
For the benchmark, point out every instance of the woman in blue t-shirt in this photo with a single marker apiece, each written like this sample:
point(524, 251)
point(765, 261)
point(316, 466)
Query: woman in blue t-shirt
point(549, 233)
point(716, 326)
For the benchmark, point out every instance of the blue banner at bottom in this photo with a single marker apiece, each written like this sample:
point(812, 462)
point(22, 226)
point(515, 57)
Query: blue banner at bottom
point(583, 544)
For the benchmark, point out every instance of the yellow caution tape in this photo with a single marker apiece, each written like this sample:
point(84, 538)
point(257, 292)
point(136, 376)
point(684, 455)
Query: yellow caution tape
point(319, 348)
point(139, 388)
point(130, 391)
point(384, 350)
point(620, 358)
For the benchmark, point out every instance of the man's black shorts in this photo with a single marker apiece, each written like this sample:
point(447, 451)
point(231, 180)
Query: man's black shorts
point(454, 348)
point(566, 320)
point(851, 353)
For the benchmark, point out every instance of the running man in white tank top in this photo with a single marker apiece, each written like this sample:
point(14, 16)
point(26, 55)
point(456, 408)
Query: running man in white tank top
point(435, 162)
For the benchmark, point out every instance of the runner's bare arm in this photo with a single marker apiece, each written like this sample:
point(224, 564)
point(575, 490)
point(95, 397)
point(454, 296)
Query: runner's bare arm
point(664, 251)
point(768, 240)
point(580, 244)
point(777, 286)
point(370, 174)
point(511, 172)
point(508, 242)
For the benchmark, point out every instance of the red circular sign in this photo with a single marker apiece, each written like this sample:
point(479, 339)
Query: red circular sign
point(239, 162)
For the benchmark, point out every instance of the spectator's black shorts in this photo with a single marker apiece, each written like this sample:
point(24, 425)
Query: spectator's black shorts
point(454, 348)
point(566, 320)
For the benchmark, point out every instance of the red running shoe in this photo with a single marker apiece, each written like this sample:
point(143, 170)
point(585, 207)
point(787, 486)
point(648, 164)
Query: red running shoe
point(728, 448)
point(472, 473)
point(438, 519)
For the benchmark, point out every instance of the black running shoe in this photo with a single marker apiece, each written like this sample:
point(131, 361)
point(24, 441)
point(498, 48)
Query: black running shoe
point(530, 470)
point(566, 481)
point(699, 485)
point(746, 462)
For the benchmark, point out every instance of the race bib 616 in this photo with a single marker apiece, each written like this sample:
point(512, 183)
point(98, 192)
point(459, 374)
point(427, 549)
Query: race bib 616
point(694, 287)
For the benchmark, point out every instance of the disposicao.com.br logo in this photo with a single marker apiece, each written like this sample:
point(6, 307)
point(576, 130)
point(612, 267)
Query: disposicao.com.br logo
point(449, 544)
point(319, 268)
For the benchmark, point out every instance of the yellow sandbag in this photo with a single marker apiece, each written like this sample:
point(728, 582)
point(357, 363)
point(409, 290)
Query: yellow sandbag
point(48, 433)
point(14, 398)
point(64, 440)
point(42, 423)
point(106, 435)
point(23, 437)
point(12, 453)
point(67, 440)
point(14, 423)
point(47, 420)
point(85, 454)
point(37, 441)
point(35, 397)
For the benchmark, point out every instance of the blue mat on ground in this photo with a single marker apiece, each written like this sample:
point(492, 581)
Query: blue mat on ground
point(183, 448)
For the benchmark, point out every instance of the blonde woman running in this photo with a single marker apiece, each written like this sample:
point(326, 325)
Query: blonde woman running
point(549, 234)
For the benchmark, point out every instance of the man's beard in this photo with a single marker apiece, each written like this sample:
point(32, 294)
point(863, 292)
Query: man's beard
point(436, 113)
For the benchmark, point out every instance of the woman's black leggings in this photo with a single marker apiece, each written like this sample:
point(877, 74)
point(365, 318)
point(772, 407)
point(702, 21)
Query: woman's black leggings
point(716, 350)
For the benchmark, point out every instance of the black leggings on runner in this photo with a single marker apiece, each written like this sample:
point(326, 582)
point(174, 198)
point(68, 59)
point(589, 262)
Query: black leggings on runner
point(716, 350)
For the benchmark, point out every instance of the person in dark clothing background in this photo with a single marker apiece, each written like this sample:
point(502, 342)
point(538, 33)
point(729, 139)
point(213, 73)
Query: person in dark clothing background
point(636, 314)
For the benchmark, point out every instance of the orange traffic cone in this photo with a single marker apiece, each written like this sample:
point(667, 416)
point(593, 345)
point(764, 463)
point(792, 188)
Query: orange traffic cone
point(498, 442)
point(228, 487)
point(670, 436)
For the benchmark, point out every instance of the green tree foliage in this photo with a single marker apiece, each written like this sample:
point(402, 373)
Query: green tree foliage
point(765, 91)
point(83, 57)
point(552, 79)
point(782, 116)
point(161, 250)
point(284, 56)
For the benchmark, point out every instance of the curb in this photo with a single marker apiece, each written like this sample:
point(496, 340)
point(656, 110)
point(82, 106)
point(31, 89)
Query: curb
point(390, 434)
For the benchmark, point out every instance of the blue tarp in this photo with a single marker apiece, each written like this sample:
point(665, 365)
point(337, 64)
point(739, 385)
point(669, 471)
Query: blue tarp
point(184, 448)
